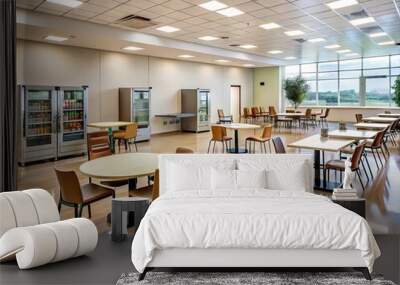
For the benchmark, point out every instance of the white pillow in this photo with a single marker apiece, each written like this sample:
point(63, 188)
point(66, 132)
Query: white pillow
point(278, 180)
point(223, 179)
point(251, 178)
point(183, 178)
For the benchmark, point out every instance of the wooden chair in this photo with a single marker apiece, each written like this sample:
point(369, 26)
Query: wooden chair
point(98, 146)
point(359, 118)
point(222, 119)
point(307, 119)
point(339, 165)
point(255, 113)
point(184, 150)
point(265, 137)
point(278, 145)
point(287, 122)
point(264, 113)
point(323, 118)
point(375, 145)
point(72, 194)
point(247, 114)
point(126, 135)
point(219, 135)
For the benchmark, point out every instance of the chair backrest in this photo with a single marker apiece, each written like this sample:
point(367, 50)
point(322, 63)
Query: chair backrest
point(70, 188)
point(278, 145)
point(272, 111)
point(359, 118)
point(98, 145)
point(289, 111)
point(267, 131)
point(255, 111)
point(156, 186)
point(246, 112)
point(378, 140)
point(184, 150)
point(218, 132)
point(356, 157)
point(262, 110)
point(221, 114)
point(26, 208)
point(130, 131)
point(393, 125)
point(327, 110)
point(308, 113)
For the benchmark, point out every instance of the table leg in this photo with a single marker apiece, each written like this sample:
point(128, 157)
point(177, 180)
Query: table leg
point(323, 169)
point(317, 168)
point(116, 224)
point(236, 141)
point(132, 184)
point(111, 140)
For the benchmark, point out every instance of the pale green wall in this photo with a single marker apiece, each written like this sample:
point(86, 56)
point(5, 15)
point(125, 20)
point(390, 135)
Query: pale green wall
point(269, 94)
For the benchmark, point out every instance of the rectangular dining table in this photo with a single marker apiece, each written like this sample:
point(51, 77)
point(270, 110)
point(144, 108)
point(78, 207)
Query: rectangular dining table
point(319, 145)
point(389, 115)
point(352, 134)
point(377, 119)
point(371, 126)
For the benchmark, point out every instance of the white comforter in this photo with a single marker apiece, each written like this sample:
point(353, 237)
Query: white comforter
point(250, 219)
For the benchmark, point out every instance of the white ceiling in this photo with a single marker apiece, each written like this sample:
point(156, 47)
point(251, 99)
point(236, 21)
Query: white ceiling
point(313, 17)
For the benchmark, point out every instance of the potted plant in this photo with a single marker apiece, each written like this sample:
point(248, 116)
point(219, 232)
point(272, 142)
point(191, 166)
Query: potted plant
point(296, 90)
point(396, 88)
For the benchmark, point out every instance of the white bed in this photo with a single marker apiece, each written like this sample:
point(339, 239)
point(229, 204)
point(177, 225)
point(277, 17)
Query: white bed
point(201, 219)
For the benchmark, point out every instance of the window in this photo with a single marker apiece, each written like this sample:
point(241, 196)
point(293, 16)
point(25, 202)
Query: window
point(328, 92)
point(377, 91)
point(292, 71)
point(338, 82)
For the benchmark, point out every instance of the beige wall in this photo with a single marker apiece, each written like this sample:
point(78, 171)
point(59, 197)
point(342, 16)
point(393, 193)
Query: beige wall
point(269, 94)
point(104, 72)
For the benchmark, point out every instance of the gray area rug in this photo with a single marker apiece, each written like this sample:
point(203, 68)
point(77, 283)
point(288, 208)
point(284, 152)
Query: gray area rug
point(229, 278)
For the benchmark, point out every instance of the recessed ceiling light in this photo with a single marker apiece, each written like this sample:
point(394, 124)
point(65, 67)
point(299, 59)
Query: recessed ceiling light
point(213, 5)
point(317, 40)
point(352, 54)
point(290, 57)
point(294, 33)
point(275, 51)
point(168, 29)
point(341, 4)
point(68, 3)
point(55, 38)
point(208, 38)
point(248, 65)
point(343, 51)
point(362, 21)
point(386, 43)
point(222, 60)
point(185, 56)
point(132, 48)
point(377, 35)
point(332, 46)
point(270, 26)
point(230, 12)
point(247, 46)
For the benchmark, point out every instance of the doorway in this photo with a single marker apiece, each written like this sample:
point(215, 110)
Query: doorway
point(236, 102)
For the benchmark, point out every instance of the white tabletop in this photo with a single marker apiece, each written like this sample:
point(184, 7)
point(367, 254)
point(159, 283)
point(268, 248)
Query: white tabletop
point(240, 126)
point(389, 115)
point(107, 125)
point(352, 134)
point(291, 114)
point(379, 119)
point(319, 143)
point(371, 126)
point(121, 166)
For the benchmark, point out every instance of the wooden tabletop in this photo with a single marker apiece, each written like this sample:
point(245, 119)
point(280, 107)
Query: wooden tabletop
point(371, 126)
point(352, 134)
point(317, 142)
point(121, 166)
point(240, 126)
point(389, 115)
point(379, 119)
point(107, 125)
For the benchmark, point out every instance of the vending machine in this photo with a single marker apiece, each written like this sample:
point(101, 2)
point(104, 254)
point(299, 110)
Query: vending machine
point(196, 101)
point(52, 122)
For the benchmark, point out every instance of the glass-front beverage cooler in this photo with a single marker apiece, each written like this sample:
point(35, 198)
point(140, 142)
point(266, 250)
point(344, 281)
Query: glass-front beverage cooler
point(134, 106)
point(196, 101)
point(52, 122)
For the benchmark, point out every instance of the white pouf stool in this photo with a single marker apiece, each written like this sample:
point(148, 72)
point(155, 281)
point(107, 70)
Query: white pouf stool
point(31, 230)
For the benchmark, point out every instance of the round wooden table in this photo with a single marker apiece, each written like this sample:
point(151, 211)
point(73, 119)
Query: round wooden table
point(121, 166)
point(109, 126)
point(236, 127)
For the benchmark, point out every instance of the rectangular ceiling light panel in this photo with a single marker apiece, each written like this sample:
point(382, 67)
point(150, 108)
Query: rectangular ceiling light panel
point(68, 3)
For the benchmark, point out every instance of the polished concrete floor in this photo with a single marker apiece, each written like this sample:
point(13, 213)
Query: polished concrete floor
point(382, 194)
